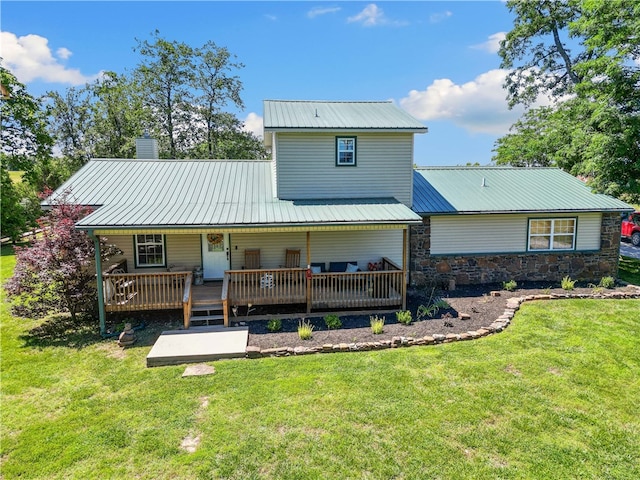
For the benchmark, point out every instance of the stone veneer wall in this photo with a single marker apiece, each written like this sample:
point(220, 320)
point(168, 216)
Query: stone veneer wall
point(492, 268)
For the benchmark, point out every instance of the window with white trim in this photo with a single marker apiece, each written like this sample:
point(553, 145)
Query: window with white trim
point(552, 234)
point(149, 250)
point(346, 151)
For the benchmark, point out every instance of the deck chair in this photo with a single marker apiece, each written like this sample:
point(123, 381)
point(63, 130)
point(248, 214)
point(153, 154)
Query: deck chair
point(292, 258)
point(252, 259)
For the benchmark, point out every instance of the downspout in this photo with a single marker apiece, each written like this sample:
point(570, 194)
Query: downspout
point(98, 259)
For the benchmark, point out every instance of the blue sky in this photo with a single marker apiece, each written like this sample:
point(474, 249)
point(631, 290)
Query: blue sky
point(437, 60)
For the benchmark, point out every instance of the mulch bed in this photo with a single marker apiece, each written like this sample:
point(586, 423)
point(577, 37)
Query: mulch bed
point(476, 301)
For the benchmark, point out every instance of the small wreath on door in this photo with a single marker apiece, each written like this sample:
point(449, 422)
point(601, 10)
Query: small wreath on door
point(214, 238)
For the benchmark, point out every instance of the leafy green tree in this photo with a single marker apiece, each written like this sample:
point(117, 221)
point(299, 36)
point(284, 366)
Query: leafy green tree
point(584, 56)
point(23, 132)
point(70, 121)
point(13, 222)
point(118, 116)
point(164, 75)
point(216, 88)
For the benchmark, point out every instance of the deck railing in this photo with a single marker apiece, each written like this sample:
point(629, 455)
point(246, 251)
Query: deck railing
point(172, 290)
point(321, 290)
point(267, 287)
point(147, 291)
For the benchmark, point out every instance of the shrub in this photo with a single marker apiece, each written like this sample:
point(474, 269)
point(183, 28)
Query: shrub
point(510, 286)
point(377, 324)
point(567, 283)
point(333, 321)
point(56, 272)
point(274, 325)
point(404, 317)
point(607, 282)
point(442, 304)
point(426, 311)
point(305, 329)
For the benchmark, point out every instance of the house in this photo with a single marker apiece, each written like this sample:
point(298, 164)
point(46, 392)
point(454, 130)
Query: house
point(337, 192)
point(494, 224)
point(336, 218)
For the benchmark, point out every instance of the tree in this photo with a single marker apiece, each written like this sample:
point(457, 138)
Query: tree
point(25, 139)
point(118, 116)
point(216, 88)
point(69, 122)
point(55, 273)
point(164, 75)
point(592, 128)
point(13, 222)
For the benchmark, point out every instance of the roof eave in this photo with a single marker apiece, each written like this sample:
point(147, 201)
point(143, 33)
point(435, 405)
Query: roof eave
point(528, 212)
point(346, 129)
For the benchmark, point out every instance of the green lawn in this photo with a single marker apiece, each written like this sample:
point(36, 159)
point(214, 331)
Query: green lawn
point(630, 270)
point(555, 396)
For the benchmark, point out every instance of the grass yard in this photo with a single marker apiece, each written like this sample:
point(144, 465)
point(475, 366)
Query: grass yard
point(555, 396)
point(629, 270)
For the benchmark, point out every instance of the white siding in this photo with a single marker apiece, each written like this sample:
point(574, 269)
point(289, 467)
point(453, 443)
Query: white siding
point(306, 166)
point(362, 246)
point(501, 233)
point(182, 251)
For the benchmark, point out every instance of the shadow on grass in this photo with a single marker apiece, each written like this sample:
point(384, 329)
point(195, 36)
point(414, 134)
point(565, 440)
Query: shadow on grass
point(629, 270)
point(61, 331)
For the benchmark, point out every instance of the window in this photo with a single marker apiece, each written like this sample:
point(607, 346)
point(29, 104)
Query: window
point(149, 250)
point(346, 151)
point(552, 234)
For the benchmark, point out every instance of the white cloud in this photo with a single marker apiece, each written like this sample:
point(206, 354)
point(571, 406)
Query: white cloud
point(373, 16)
point(492, 45)
point(479, 106)
point(63, 53)
point(440, 16)
point(254, 124)
point(273, 18)
point(29, 58)
point(315, 12)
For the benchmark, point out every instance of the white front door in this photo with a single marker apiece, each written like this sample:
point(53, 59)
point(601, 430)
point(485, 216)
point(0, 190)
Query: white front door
point(215, 255)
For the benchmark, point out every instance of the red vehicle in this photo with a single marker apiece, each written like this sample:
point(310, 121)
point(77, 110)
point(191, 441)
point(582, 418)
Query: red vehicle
point(631, 228)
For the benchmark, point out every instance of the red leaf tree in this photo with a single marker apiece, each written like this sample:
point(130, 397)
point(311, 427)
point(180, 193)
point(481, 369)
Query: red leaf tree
point(56, 273)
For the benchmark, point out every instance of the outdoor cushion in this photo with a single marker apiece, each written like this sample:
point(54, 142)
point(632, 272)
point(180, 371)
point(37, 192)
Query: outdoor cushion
point(321, 266)
point(351, 268)
point(340, 267)
point(316, 269)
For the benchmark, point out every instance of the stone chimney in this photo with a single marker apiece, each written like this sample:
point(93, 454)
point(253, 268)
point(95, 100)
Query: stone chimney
point(146, 147)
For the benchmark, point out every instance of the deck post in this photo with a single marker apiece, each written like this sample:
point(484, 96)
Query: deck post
point(98, 258)
point(308, 268)
point(404, 268)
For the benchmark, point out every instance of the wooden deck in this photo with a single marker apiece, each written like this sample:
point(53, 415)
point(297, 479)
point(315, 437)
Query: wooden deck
point(213, 300)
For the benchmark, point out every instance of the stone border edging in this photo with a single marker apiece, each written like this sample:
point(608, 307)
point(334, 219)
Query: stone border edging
point(497, 326)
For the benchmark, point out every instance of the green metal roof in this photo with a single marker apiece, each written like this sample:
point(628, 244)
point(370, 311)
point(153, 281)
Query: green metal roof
point(448, 190)
point(201, 193)
point(333, 115)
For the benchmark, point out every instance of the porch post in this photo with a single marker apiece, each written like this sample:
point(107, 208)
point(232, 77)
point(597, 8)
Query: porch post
point(404, 268)
point(308, 266)
point(98, 258)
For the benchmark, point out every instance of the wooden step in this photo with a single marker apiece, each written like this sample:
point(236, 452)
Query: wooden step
point(207, 301)
point(206, 320)
point(206, 307)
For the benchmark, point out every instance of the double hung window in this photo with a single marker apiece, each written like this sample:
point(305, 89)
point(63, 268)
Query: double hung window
point(150, 250)
point(552, 234)
point(346, 151)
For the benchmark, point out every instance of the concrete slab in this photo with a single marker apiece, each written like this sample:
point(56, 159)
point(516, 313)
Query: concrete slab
point(198, 344)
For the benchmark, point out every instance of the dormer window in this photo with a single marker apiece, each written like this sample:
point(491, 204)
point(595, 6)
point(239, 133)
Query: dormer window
point(346, 151)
